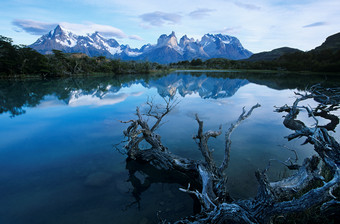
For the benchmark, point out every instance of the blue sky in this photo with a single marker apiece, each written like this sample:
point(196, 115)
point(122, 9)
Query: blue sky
point(261, 25)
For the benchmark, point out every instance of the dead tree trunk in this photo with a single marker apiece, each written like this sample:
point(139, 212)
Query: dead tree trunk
point(207, 181)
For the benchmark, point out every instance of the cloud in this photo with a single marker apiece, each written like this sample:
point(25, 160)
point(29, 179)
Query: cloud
point(200, 13)
point(33, 27)
point(135, 37)
point(160, 18)
point(105, 30)
point(41, 28)
point(247, 6)
point(315, 24)
point(227, 30)
point(108, 99)
point(89, 100)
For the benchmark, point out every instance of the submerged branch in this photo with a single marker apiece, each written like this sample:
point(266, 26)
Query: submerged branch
point(303, 190)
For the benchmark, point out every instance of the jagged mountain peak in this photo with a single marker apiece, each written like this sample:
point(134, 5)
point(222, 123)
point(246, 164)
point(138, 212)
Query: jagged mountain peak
point(224, 46)
point(95, 34)
point(58, 29)
point(146, 47)
point(61, 31)
point(167, 49)
point(96, 37)
point(185, 37)
point(218, 37)
point(186, 40)
point(62, 39)
point(167, 40)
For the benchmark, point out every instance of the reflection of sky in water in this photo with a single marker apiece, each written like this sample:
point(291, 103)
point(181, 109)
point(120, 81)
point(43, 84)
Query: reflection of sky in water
point(47, 153)
point(78, 98)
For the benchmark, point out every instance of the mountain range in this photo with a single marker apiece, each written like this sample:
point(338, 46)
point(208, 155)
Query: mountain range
point(167, 50)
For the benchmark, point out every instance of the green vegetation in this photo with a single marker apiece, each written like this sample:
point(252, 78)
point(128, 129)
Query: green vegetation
point(21, 60)
point(325, 58)
point(313, 61)
point(272, 55)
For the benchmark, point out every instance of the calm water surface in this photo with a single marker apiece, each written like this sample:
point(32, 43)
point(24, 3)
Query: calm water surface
point(58, 164)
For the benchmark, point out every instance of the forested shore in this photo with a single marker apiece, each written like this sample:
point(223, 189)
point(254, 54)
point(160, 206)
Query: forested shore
point(19, 60)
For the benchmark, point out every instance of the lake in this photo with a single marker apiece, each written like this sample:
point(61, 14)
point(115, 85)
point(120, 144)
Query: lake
point(58, 163)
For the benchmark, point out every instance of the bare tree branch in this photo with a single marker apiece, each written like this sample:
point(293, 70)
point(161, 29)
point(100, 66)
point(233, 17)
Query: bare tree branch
point(241, 118)
point(291, 194)
point(203, 143)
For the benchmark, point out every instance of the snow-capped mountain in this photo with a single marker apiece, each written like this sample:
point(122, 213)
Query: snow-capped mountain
point(167, 49)
point(91, 44)
point(223, 46)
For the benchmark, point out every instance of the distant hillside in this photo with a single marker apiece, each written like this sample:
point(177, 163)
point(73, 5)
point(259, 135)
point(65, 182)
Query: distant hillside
point(332, 42)
point(272, 55)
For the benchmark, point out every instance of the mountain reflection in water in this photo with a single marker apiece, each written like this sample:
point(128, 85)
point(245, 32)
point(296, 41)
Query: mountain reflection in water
point(58, 164)
point(16, 95)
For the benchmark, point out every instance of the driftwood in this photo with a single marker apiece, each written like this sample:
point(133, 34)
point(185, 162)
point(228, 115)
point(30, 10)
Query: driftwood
point(206, 181)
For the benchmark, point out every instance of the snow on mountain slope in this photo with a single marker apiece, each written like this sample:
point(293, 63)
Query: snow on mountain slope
point(64, 40)
point(167, 49)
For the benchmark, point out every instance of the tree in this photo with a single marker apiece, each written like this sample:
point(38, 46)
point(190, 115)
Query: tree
point(32, 62)
point(206, 181)
point(59, 54)
point(8, 56)
point(196, 62)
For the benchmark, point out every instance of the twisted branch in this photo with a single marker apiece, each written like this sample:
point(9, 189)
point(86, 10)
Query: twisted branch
point(227, 136)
